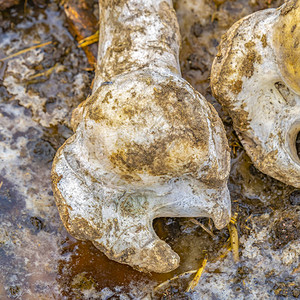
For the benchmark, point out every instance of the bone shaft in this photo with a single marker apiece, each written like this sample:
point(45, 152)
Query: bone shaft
point(137, 34)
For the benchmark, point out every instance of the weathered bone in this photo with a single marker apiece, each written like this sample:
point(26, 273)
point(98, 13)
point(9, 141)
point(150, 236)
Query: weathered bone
point(256, 76)
point(146, 144)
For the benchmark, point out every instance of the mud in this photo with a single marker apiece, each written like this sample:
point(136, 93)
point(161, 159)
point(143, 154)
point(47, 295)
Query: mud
point(39, 260)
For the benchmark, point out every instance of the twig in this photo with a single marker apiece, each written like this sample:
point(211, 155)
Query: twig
point(25, 50)
point(45, 73)
point(202, 226)
point(174, 278)
point(94, 38)
point(226, 248)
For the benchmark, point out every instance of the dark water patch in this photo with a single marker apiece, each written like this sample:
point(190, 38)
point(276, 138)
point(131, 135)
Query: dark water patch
point(98, 269)
point(84, 259)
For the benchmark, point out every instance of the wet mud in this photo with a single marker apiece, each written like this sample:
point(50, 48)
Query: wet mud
point(40, 260)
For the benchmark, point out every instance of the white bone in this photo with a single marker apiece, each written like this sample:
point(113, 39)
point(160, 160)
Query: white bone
point(146, 144)
point(256, 77)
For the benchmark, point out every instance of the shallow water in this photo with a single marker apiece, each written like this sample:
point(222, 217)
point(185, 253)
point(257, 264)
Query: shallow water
point(40, 260)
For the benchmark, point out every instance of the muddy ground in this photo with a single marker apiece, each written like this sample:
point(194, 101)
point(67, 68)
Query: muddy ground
point(40, 260)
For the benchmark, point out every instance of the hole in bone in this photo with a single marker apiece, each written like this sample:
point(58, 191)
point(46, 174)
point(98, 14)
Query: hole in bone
point(286, 93)
point(298, 144)
point(169, 229)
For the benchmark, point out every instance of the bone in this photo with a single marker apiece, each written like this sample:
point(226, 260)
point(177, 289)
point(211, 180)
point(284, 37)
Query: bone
point(256, 77)
point(146, 144)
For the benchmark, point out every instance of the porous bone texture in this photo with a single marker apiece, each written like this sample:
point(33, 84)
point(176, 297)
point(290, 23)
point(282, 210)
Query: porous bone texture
point(146, 144)
point(256, 77)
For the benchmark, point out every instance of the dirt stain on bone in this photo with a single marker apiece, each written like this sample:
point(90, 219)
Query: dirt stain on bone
point(247, 67)
point(179, 149)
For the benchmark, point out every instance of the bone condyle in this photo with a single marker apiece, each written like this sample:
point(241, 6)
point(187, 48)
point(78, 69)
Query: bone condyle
point(256, 77)
point(145, 143)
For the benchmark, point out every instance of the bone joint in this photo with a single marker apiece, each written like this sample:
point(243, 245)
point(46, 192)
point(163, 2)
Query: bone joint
point(145, 143)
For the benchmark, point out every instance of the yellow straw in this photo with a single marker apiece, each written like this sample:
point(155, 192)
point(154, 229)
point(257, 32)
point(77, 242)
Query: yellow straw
point(25, 50)
point(197, 277)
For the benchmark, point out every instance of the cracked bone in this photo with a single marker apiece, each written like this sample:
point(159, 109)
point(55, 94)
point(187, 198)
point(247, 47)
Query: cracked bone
point(146, 144)
point(256, 77)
